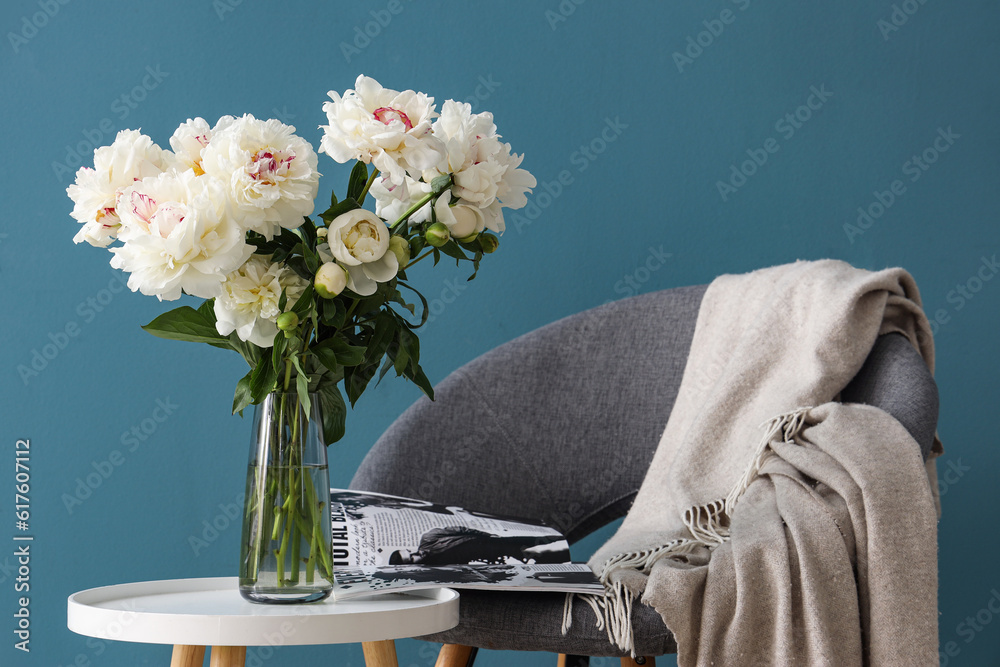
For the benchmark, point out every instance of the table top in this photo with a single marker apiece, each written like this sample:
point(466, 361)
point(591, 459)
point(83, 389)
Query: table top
point(211, 612)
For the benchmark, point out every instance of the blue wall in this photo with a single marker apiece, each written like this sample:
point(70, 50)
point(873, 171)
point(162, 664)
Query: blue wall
point(694, 90)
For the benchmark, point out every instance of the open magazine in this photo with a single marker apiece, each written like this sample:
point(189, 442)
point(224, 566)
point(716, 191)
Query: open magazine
point(387, 544)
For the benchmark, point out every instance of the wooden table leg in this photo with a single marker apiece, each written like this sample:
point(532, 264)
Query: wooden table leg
point(188, 656)
point(228, 656)
point(455, 655)
point(380, 654)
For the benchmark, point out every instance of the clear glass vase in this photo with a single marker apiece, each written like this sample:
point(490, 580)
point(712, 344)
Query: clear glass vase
point(285, 553)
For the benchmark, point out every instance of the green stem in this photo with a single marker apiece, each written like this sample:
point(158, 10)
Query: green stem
point(413, 209)
point(429, 252)
point(350, 311)
point(296, 542)
point(364, 193)
point(311, 562)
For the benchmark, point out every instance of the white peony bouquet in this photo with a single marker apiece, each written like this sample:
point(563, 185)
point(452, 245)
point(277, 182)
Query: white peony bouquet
point(310, 305)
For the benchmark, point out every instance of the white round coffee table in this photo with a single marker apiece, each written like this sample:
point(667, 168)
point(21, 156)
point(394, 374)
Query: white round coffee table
point(194, 613)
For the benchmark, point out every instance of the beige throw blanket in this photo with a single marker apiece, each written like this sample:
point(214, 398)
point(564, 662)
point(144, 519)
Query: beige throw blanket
point(810, 540)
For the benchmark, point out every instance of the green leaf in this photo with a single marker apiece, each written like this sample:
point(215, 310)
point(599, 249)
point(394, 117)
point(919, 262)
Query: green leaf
point(397, 297)
point(402, 359)
point(207, 310)
point(385, 369)
point(412, 343)
point(417, 244)
point(334, 412)
point(423, 303)
point(334, 352)
point(186, 323)
point(475, 264)
point(421, 381)
point(339, 209)
point(382, 337)
point(278, 351)
point(303, 305)
point(263, 379)
point(452, 250)
point(298, 264)
point(356, 184)
point(308, 232)
point(356, 379)
point(302, 386)
point(312, 259)
point(250, 352)
point(334, 313)
point(243, 395)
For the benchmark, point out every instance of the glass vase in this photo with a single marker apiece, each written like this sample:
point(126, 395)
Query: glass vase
point(285, 553)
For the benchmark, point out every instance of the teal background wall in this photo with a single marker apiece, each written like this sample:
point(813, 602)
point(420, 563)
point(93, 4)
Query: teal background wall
point(903, 124)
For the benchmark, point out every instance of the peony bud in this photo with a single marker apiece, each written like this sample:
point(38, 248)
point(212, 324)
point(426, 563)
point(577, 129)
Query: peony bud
point(331, 279)
point(437, 234)
point(399, 247)
point(322, 232)
point(488, 243)
point(287, 321)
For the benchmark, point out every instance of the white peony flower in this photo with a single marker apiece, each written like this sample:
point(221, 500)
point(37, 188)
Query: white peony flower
point(359, 241)
point(180, 233)
point(248, 302)
point(269, 171)
point(515, 182)
point(485, 172)
point(386, 128)
point(188, 142)
point(392, 201)
point(461, 220)
point(133, 156)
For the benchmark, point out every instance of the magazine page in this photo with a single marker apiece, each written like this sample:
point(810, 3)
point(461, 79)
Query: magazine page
point(564, 578)
point(371, 529)
point(385, 544)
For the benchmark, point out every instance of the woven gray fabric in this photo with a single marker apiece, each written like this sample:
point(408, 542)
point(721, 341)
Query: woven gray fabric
point(560, 425)
point(895, 379)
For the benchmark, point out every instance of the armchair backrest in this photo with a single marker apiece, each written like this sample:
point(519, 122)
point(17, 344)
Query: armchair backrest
point(561, 423)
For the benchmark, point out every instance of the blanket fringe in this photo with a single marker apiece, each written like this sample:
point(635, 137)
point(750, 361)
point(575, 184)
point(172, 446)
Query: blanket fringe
point(709, 526)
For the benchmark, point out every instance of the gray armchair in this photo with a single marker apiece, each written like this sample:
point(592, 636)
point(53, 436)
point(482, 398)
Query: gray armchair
point(560, 425)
